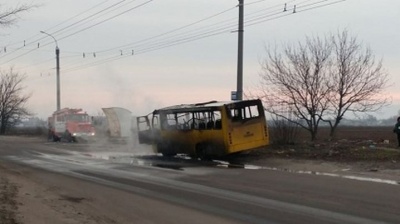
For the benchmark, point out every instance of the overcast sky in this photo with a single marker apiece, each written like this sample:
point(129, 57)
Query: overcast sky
point(141, 54)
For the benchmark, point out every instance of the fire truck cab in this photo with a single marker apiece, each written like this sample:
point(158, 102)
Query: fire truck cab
point(69, 125)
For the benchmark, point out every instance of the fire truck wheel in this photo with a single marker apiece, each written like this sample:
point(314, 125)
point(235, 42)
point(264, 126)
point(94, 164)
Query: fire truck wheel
point(67, 136)
point(55, 138)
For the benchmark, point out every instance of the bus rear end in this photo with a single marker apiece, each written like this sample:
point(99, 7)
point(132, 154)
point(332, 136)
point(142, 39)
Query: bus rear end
point(247, 126)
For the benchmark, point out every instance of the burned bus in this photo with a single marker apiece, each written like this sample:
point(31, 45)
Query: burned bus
point(205, 130)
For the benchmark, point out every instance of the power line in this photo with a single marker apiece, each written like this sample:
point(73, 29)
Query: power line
point(93, 16)
point(168, 32)
point(105, 20)
point(140, 47)
point(315, 6)
point(103, 10)
point(328, 4)
point(125, 47)
point(77, 15)
point(81, 30)
point(205, 29)
point(199, 36)
point(24, 42)
point(161, 45)
point(96, 13)
point(225, 26)
point(37, 63)
point(48, 29)
point(232, 23)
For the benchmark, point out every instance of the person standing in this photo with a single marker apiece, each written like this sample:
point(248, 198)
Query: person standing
point(396, 130)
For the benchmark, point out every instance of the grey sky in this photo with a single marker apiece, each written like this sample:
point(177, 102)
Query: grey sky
point(199, 70)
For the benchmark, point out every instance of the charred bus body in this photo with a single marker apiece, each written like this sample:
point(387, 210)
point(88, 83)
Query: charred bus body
point(204, 130)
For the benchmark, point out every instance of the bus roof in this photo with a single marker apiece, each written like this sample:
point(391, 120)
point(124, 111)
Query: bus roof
point(203, 106)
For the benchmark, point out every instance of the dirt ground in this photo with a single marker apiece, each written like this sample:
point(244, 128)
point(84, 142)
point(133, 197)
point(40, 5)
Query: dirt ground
point(8, 197)
point(25, 201)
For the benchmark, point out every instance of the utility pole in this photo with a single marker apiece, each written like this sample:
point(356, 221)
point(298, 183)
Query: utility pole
point(239, 87)
point(58, 77)
point(57, 70)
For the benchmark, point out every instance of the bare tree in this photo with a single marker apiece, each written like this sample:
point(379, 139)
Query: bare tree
point(282, 131)
point(298, 80)
point(9, 16)
point(358, 80)
point(321, 80)
point(12, 99)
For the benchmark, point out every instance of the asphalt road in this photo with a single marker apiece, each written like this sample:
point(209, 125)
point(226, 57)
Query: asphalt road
point(131, 188)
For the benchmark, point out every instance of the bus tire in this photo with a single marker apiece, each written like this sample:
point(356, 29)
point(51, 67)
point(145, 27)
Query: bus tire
point(165, 151)
point(168, 154)
point(201, 151)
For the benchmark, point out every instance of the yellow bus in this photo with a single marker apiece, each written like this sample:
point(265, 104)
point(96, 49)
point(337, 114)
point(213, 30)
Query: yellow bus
point(205, 130)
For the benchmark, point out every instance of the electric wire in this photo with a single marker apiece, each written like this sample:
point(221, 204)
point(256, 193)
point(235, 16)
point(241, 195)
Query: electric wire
point(92, 17)
point(328, 4)
point(188, 37)
point(185, 40)
point(98, 53)
point(168, 32)
point(24, 42)
point(45, 37)
point(195, 31)
point(314, 6)
point(105, 20)
point(81, 30)
point(28, 52)
point(222, 25)
point(199, 33)
point(59, 24)
point(37, 63)
point(160, 46)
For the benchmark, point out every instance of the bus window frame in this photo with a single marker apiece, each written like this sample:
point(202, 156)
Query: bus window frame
point(239, 109)
point(198, 119)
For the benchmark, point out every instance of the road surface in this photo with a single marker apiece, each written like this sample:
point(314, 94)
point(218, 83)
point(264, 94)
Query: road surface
point(111, 183)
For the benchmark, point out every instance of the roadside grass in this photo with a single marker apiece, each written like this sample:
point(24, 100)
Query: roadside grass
point(341, 151)
point(351, 144)
point(27, 131)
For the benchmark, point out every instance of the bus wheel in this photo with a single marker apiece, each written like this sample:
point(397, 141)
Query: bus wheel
point(168, 154)
point(165, 151)
point(201, 151)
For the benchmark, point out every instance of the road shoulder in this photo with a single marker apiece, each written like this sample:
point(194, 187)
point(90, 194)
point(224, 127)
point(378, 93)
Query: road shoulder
point(26, 201)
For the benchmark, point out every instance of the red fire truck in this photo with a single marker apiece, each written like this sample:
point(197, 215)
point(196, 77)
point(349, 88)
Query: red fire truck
point(70, 125)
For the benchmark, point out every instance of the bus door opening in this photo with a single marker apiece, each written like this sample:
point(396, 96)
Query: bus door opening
point(145, 133)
